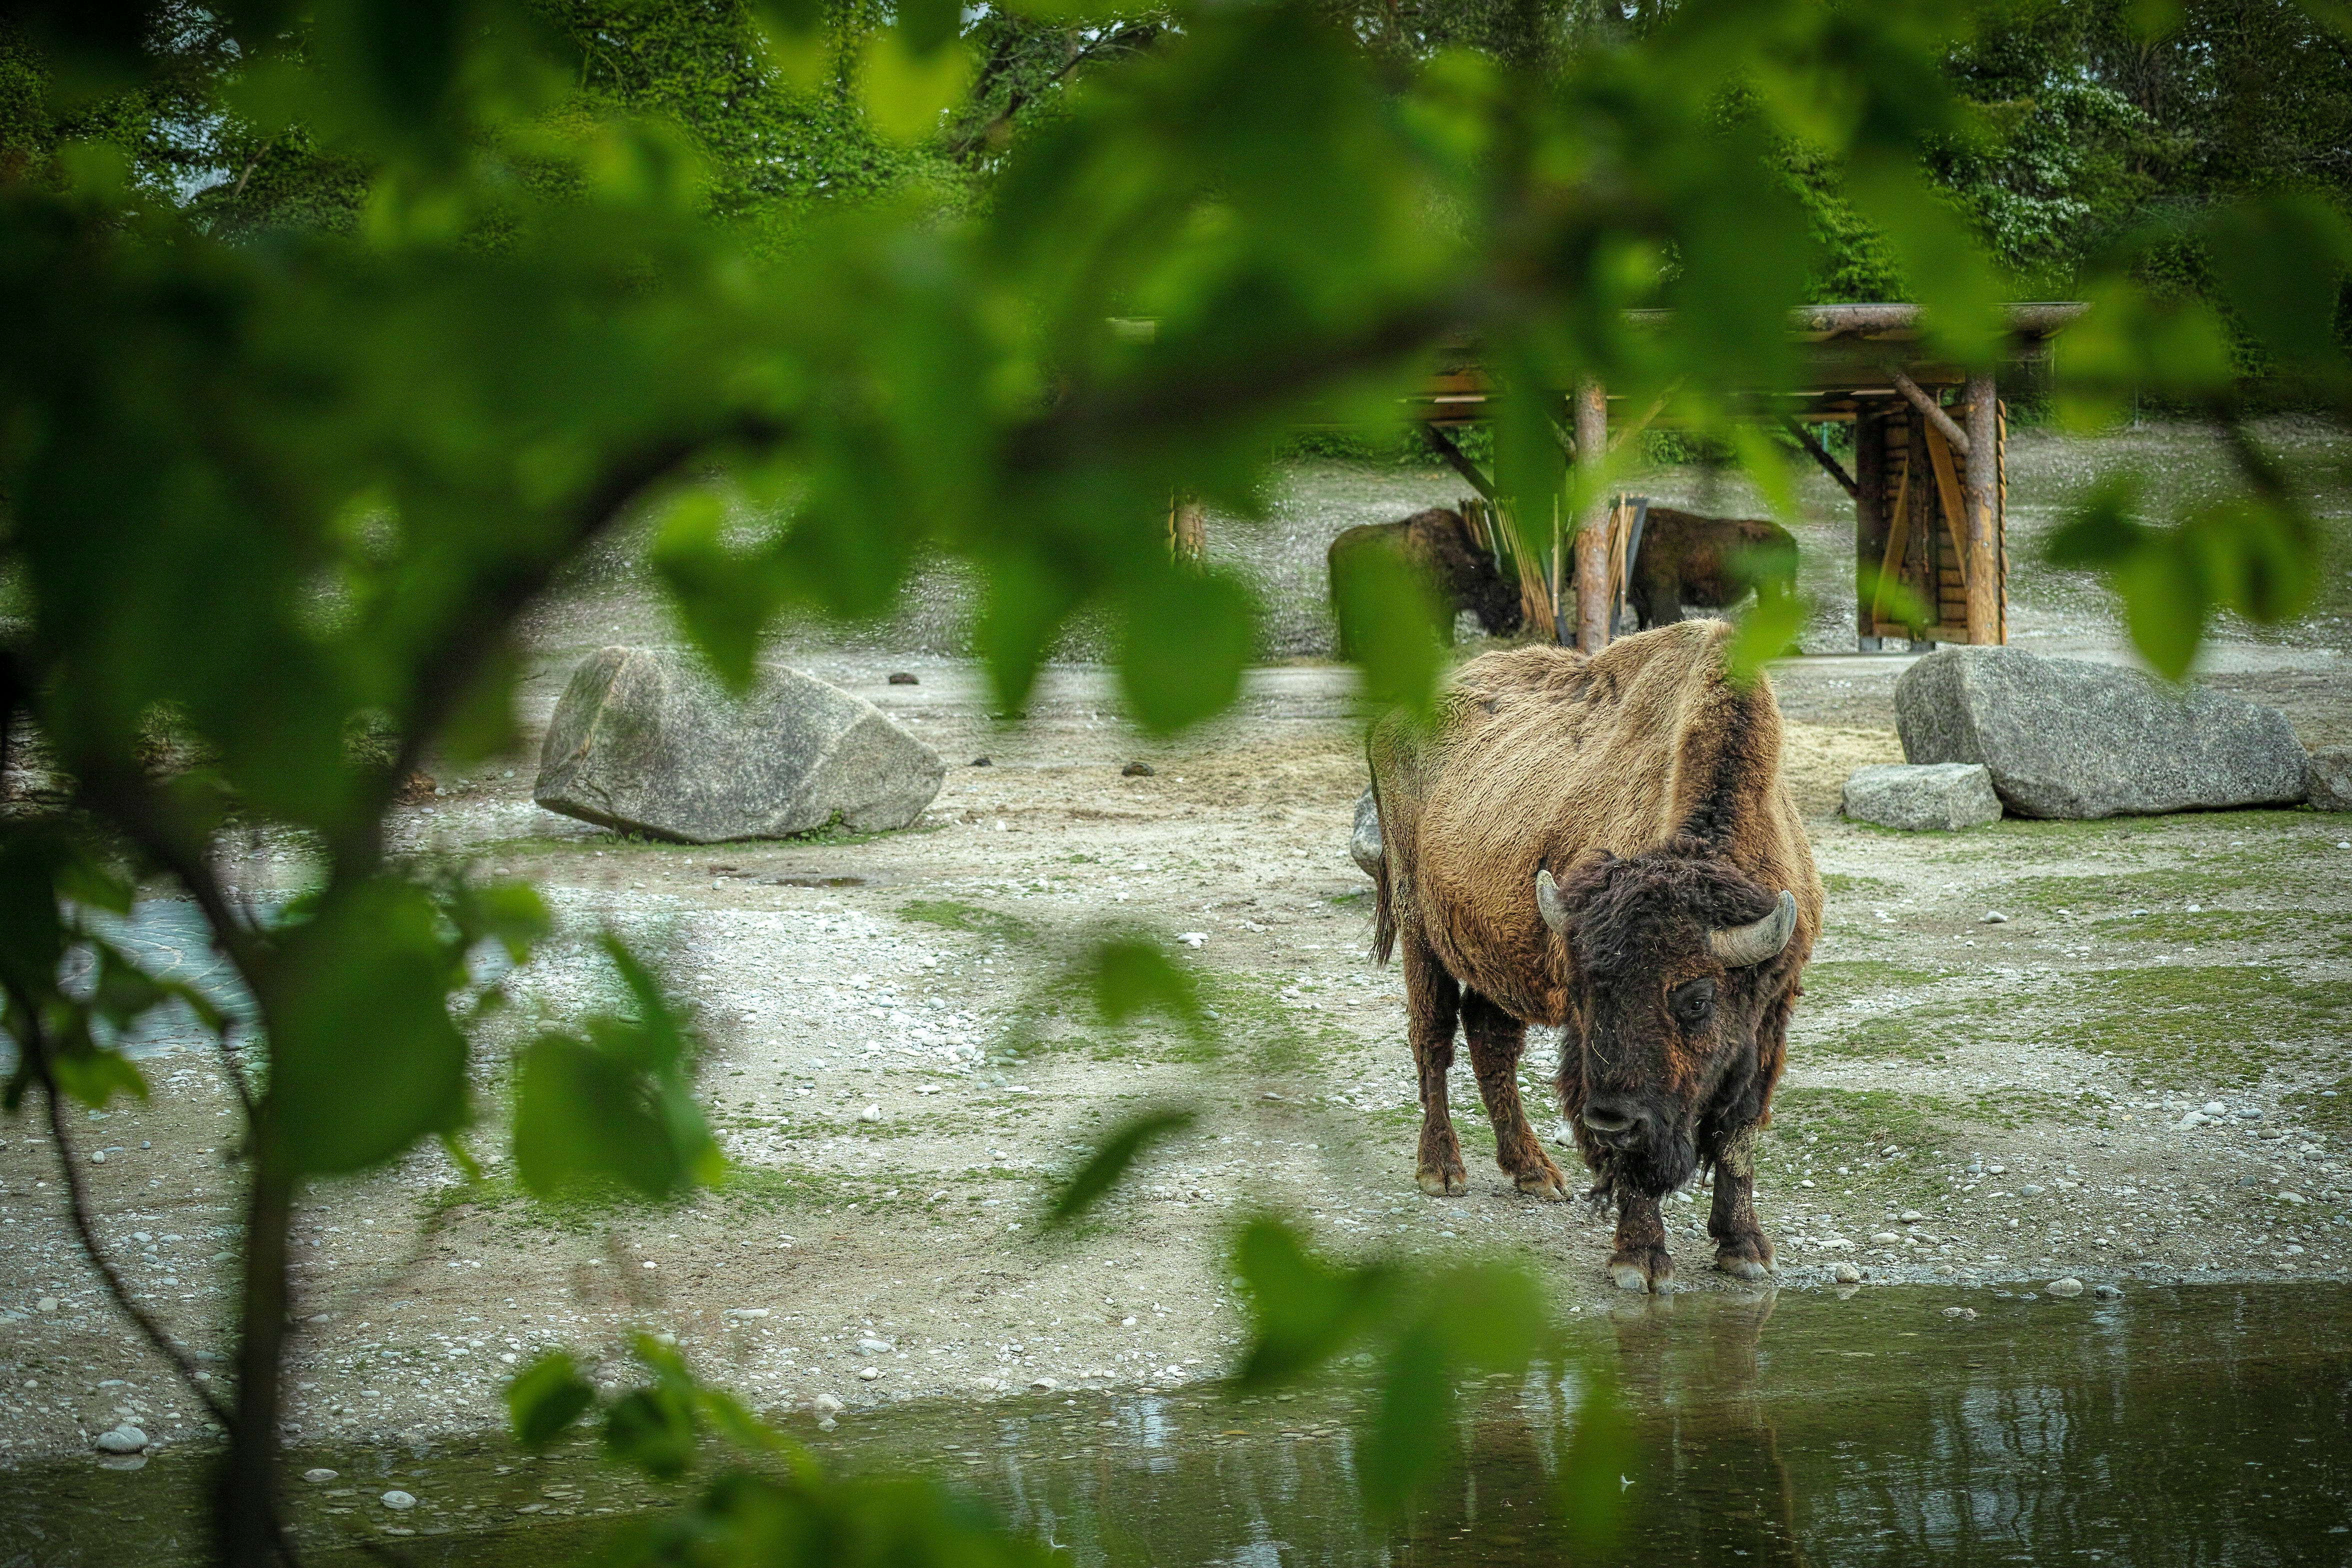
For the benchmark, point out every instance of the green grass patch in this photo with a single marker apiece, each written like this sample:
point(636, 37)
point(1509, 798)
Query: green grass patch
point(2324, 1111)
point(2186, 1025)
point(1849, 883)
point(953, 914)
point(1835, 980)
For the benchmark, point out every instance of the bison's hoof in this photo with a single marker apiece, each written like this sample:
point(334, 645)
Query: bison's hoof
point(1548, 1185)
point(1743, 1267)
point(1443, 1183)
point(1650, 1270)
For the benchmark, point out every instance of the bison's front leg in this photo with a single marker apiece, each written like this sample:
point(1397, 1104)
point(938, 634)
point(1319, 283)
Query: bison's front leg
point(1495, 1041)
point(1640, 1262)
point(1432, 1001)
point(1741, 1247)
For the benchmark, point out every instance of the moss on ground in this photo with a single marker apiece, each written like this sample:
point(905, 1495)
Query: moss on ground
point(954, 914)
point(1829, 982)
point(2185, 1025)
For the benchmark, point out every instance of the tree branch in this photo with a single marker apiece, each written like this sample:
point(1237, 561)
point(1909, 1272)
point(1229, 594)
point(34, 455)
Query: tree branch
point(78, 1208)
point(1820, 454)
point(1954, 436)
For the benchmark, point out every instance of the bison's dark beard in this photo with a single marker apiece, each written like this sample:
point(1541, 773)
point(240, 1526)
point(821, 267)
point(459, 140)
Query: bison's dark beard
point(1652, 1170)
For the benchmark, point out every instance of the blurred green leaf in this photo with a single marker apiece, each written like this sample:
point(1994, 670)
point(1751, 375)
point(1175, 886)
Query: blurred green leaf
point(904, 88)
point(1588, 1496)
point(725, 598)
point(1302, 1311)
point(1112, 1158)
point(1187, 636)
point(2281, 259)
point(653, 1430)
point(1412, 1428)
point(545, 1398)
point(1131, 975)
point(363, 1058)
point(1387, 615)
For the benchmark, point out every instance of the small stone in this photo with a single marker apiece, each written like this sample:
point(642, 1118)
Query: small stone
point(1994, 918)
point(2108, 1293)
point(2250, 1113)
point(869, 1373)
point(1952, 1311)
point(2031, 1190)
point(2068, 1287)
point(398, 1501)
point(1194, 938)
point(826, 1423)
point(319, 1477)
point(2215, 1108)
point(982, 763)
point(1043, 1386)
point(46, 1304)
point(1998, 1170)
point(826, 1404)
point(872, 1346)
point(901, 678)
point(98, 1156)
point(1886, 1238)
point(871, 1113)
point(1968, 1314)
point(1846, 1274)
point(123, 1439)
point(1911, 1216)
point(1136, 771)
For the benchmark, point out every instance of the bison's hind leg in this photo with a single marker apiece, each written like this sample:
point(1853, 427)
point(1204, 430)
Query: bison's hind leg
point(1496, 1040)
point(1741, 1247)
point(1432, 1003)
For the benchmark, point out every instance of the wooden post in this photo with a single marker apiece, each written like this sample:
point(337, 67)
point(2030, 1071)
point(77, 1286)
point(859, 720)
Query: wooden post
point(1919, 539)
point(1869, 523)
point(1983, 543)
point(1592, 528)
point(1187, 528)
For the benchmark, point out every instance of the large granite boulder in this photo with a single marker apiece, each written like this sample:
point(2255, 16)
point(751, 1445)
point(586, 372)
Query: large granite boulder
point(648, 742)
point(2066, 738)
point(1923, 797)
point(2331, 779)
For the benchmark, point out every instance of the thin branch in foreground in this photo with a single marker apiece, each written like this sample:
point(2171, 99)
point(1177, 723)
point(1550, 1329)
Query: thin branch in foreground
point(77, 1206)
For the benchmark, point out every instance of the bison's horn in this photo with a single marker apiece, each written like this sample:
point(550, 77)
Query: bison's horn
point(1742, 946)
point(1550, 903)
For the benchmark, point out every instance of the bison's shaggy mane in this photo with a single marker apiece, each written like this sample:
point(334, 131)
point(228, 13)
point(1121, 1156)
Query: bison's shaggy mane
point(1627, 910)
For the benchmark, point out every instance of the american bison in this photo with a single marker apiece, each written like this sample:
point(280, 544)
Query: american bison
point(1604, 843)
point(1439, 544)
point(1686, 560)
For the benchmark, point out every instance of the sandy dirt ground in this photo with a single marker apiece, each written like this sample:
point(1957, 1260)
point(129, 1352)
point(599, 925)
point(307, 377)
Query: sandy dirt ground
point(899, 1068)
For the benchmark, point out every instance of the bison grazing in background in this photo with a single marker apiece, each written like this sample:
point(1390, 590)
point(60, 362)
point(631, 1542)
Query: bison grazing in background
point(1438, 545)
point(1607, 844)
point(1686, 560)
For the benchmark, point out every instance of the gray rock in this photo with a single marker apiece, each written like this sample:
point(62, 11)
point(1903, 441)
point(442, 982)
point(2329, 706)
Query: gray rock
point(1846, 1274)
point(1926, 797)
point(2331, 779)
point(648, 742)
point(2108, 1293)
point(398, 1501)
point(2064, 737)
point(2070, 1286)
point(123, 1439)
point(1364, 842)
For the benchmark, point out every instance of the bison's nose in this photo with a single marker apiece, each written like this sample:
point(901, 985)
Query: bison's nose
point(1618, 1120)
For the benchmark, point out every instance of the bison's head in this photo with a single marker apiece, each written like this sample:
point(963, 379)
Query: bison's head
point(1676, 955)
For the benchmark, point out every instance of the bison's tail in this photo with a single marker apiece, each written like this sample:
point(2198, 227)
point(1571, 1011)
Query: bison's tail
point(1384, 925)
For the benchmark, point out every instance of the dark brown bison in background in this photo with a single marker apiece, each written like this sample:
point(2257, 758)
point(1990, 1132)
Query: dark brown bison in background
point(1687, 561)
point(1439, 544)
point(1605, 844)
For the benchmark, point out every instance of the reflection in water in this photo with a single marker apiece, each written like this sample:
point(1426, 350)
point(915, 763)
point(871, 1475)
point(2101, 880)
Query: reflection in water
point(2197, 1426)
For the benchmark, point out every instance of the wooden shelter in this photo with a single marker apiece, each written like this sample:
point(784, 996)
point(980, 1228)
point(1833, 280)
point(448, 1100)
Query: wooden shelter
point(1929, 482)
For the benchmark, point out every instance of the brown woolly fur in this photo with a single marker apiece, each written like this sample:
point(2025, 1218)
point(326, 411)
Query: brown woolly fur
point(1649, 785)
point(1461, 573)
point(1710, 562)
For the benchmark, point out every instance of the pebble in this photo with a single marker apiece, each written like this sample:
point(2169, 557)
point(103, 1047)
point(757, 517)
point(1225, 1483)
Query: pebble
point(1911, 1216)
point(869, 1373)
point(2215, 1108)
point(1886, 1238)
point(2070, 1286)
point(398, 1501)
point(2108, 1293)
point(46, 1304)
point(872, 1346)
point(319, 1477)
point(1964, 1314)
point(123, 1439)
point(982, 763)
point(871, 1113)
point(901, 678)
point(1044, 1385)
point(1194, 938)
point(1994, 918)
point(1846, 1274)
point(1136, 771)
point(826, 1403)
point(98, 1156)
point(2031, 1190)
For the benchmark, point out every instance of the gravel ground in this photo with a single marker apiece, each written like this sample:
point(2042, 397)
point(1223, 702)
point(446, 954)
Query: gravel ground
point(897, 1066)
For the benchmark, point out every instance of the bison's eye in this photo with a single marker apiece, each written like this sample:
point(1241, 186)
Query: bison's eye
point(1693, 1003)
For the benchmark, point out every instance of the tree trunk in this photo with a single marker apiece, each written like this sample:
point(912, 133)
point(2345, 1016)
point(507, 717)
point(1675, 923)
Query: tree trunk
point(1592, 585)
point(1980, 487)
